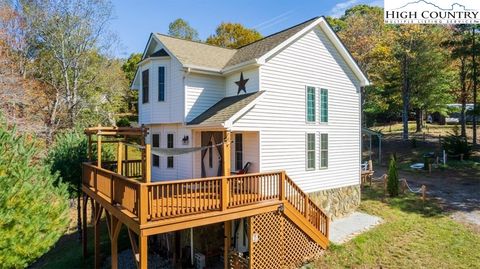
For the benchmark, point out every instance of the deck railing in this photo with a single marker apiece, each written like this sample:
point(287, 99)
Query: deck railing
point(302, 202)
point(166, 199)
point(130, 168)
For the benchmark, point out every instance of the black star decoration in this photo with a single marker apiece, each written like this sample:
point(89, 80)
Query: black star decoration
point(241, 84)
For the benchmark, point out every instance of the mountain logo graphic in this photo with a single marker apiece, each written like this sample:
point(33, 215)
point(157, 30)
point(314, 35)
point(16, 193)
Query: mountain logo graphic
point(454, 6)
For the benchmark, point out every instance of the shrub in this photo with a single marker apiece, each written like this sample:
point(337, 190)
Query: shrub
point(33, 203)
point(455, 144)
point(123, 122)
point(392, 183)
point(67, 154)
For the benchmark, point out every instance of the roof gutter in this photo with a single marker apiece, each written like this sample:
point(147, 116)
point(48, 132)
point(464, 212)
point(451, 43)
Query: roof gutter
point(237, 67)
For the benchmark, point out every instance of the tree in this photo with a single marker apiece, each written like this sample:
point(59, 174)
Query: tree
point(182, 29)
point(130, 69)
point(392, 183)
point(369, 40)
point(33, 203)
point(69, 42)
point(233, 35)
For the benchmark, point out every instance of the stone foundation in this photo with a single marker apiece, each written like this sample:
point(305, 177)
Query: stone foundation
point(338, 202)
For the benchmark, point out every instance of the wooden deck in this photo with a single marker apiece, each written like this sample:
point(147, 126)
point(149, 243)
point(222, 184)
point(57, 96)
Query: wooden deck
point(159, 207)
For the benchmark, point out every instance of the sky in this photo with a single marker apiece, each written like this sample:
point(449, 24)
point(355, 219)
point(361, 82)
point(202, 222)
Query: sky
point(134, 20)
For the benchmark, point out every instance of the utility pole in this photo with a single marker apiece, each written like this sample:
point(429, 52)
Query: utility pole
point(475, 110)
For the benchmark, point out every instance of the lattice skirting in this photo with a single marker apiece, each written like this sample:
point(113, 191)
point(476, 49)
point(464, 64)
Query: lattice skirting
point(281, 244)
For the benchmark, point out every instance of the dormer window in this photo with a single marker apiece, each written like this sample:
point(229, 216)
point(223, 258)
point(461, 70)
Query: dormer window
point(145, 81)
point(161, 83)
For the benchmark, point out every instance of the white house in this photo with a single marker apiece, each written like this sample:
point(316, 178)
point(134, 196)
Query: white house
point(290, 100)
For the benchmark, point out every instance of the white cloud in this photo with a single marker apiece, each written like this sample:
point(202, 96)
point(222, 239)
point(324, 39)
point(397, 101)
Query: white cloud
point(339, 9)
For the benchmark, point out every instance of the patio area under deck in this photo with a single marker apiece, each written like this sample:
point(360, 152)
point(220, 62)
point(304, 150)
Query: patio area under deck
point(148, 208)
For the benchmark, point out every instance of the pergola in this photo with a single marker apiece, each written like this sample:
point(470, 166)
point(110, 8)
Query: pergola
point(121, 136)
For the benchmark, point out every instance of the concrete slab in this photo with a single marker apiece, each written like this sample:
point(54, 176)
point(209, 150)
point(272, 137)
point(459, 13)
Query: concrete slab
point(344, 229)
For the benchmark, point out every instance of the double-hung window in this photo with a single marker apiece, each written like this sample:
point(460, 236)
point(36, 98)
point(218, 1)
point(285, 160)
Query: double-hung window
point(161, 83)
point(323, 150)
point(310, 104)
point(170, 146)
point(310, 154)
point(145, 82)
point(323, 105)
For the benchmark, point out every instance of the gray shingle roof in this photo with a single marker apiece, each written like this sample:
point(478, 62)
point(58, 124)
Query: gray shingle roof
point(260, 47)
point(204, 55)
point(196, 53)
point(224, 109)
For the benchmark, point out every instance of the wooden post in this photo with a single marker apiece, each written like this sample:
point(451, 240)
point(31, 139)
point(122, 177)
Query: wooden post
point(90, 148)
point(227, 229)
point(226, 168)
point(97, 230)
point(99, 151)
point(84, 228)
point(385, 179)
point(281, 186)
point(250, 241)
point(120, 158)
point(226, 153)
point(115, 226)
point(424, 194)
point(142, 251)
point(403, 186)
point(305, 200)
point(126, 161)
point(429, 168)
point(148, 163)
point(370, 165)
point(143, 204)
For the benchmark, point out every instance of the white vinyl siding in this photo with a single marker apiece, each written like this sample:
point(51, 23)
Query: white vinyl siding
point(310, 151)
point(310, 104)
point(280, 115)
point(202, 92)
point(323, 151)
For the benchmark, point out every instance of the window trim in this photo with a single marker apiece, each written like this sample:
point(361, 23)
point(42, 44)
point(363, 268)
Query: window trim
point(146, 87)
point(307, 88)
point(164, 83)
point(307, 151)
point(322, 90)
point(321, 150)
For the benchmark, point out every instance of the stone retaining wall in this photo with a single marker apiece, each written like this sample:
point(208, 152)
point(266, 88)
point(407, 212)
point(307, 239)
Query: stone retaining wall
point(338, 202)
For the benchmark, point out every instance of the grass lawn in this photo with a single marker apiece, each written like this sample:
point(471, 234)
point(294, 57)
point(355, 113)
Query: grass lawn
point(413, 235)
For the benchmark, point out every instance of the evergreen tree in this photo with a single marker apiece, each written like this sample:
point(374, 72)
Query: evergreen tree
point(392, 183)
point(33, 204)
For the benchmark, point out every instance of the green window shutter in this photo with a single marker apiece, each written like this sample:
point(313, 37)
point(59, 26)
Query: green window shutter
point(310, 104)
point(323, 150)
point(324, 105)
point(310, 151)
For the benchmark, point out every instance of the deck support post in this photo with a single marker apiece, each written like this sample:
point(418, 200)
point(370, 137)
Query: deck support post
point(227, 229)
point(96, 228)
point(84, 227)
point(142, 251)
point(281, 186)
point(114, 225)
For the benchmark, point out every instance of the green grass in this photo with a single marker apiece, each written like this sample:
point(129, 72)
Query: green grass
point(414, 235)
point(68, 253)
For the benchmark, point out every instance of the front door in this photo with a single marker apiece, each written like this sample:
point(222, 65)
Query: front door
point(211, 157)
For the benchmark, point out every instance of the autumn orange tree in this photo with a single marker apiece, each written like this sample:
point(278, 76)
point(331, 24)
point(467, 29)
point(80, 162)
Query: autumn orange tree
point(233, 35)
